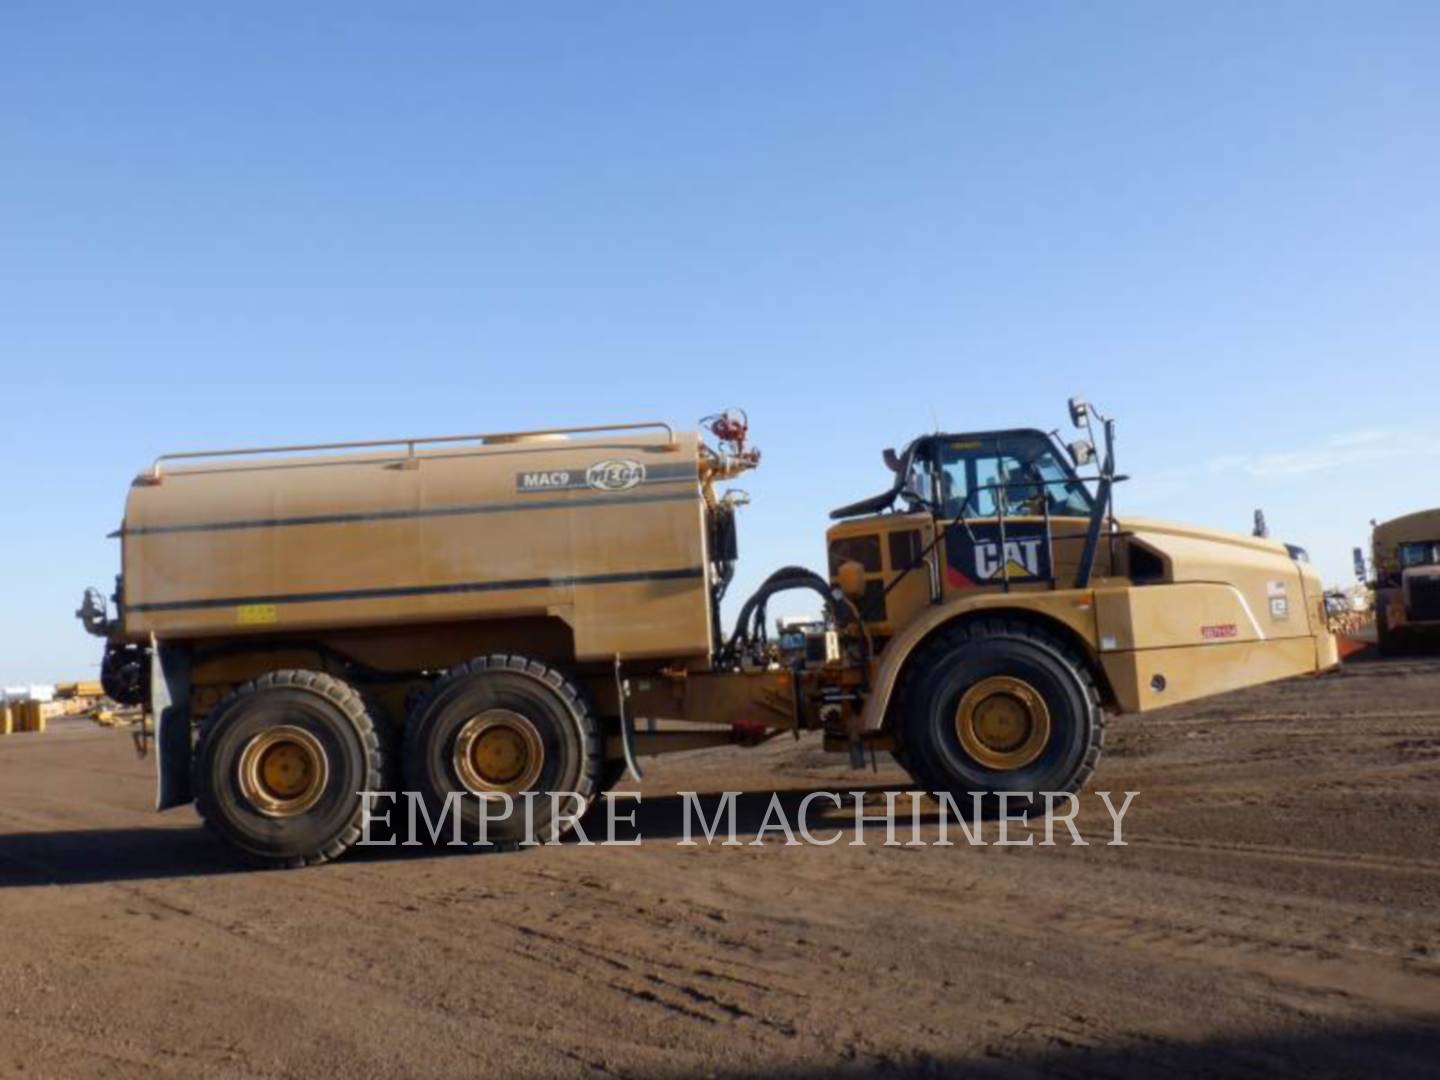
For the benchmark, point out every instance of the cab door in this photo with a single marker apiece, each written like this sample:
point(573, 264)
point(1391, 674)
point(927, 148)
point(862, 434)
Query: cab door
point(1012, 512)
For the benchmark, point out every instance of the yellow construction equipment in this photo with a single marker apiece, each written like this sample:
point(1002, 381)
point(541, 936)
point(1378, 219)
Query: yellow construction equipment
point(496, 615)
point(71, 690)
point(1405, 562)
point(29, 715)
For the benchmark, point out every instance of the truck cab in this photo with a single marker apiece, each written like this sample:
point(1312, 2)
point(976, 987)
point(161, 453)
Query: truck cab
point(1405, 553)
point(1011, 511)
point(1002, 524)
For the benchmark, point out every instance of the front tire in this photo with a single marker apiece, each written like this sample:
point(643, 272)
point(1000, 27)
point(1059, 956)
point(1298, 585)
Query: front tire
point(280, 763)
point(999, 705)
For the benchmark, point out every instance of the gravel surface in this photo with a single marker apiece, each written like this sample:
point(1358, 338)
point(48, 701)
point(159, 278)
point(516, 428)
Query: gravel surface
point(1276, 910)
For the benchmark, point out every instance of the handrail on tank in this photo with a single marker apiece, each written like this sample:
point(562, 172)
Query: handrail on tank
point(410, 444)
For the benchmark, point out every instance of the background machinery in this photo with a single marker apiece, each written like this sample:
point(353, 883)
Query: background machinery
point(1405, 569)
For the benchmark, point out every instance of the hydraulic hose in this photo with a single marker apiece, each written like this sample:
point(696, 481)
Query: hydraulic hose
point(782, 580)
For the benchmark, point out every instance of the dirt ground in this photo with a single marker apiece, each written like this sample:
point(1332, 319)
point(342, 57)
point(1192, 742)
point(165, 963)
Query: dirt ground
point(1276, 910)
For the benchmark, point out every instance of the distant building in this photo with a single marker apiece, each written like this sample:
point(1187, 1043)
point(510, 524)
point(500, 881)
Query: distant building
point(33, 692)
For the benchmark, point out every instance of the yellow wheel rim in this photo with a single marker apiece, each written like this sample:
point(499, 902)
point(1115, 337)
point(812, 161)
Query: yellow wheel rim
point(1003, 723)
point(499, 750)
point(283, 771)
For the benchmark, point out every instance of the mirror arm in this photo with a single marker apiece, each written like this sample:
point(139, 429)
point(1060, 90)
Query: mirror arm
point(1092, 532)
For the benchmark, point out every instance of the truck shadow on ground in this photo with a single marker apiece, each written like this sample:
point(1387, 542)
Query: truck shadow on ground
point(91, 856)
point(1399, 1048)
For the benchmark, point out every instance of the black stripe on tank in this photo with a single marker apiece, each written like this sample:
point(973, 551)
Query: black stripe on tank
point(386, 593)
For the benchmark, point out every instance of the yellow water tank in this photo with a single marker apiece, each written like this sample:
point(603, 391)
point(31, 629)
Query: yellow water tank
point(607, 534)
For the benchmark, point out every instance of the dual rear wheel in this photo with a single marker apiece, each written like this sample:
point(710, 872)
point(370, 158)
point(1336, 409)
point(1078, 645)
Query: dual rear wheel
point(281, 764)
point(504, 726)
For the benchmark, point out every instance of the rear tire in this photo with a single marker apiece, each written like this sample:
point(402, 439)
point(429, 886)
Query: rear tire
point(999, 705)
point(503, 723)
point(280, 763)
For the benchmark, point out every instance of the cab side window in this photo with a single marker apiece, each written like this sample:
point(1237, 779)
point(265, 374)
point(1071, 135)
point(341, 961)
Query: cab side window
point(1021, 472)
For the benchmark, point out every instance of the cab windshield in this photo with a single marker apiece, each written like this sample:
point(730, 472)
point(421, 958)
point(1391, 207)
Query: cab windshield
point(1423, 553)
point(1020, 471)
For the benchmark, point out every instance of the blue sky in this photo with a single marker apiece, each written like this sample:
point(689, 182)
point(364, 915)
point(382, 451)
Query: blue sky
point(267, 222)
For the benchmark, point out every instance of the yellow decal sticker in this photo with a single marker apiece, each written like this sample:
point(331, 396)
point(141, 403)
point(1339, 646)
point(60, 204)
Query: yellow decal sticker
point(255, 614)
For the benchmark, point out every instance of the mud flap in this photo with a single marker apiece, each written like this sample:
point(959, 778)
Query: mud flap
point(170, 706)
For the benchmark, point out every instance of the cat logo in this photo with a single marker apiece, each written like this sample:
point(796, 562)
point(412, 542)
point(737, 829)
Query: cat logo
point(616, 474)
point(1022, 559)
point(978, 556)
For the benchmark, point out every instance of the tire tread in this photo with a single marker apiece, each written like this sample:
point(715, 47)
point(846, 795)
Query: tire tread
point(591, 739)
point(372, 727)
point(1000, 627)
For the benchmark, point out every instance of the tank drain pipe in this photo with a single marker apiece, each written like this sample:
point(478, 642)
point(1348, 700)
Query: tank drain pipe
point(627, 725)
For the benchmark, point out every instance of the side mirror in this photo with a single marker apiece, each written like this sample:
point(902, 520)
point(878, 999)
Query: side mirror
point(1079, 411)
point(1082, 452)
point(1359, 563)
point(850, 576)
point(892, 460)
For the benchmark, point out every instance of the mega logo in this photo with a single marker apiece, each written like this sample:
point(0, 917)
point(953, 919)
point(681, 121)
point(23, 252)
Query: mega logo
point(616, 474)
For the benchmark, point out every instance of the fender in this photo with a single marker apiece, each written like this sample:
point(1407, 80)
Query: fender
point(170, 708)
point(1074, 609)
